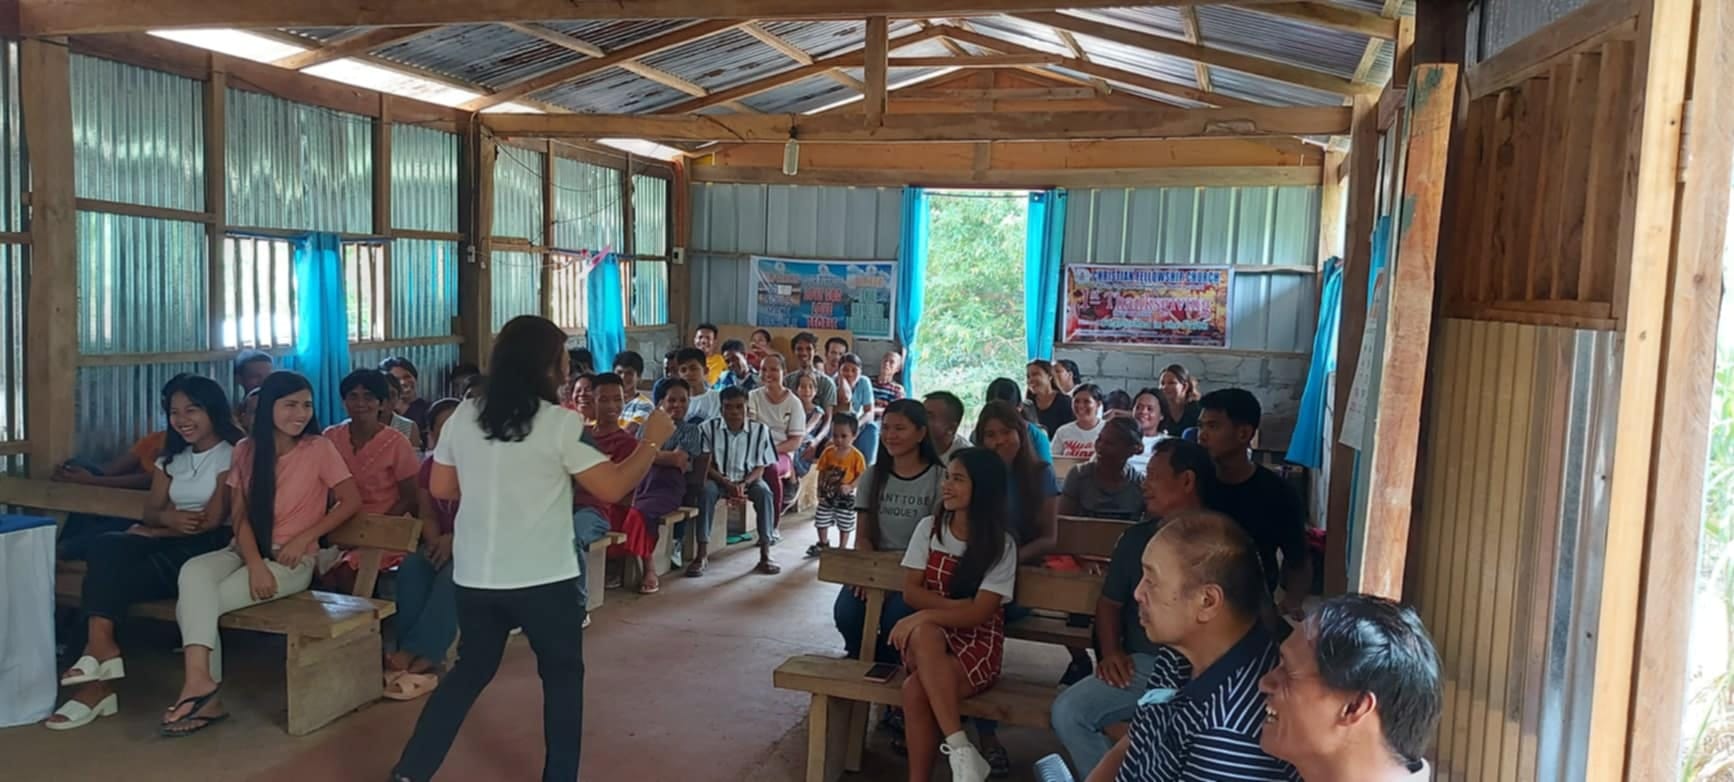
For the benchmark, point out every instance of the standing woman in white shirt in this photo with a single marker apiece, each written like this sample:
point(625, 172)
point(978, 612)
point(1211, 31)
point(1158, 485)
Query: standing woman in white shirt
point(511, 456)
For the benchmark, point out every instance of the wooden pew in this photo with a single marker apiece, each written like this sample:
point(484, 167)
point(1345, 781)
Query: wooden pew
point(1064, 466)
point(1088, 536)
point(333, 660)
point(841, 698)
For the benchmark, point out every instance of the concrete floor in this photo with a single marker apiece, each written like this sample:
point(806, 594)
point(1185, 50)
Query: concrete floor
point(678, 687)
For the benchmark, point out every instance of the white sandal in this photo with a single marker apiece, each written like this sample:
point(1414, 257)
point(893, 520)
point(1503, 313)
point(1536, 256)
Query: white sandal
point(79, 715)
point(89, 670)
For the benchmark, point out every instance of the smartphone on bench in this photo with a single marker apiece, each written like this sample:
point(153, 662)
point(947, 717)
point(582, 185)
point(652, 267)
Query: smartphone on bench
point(881, 672)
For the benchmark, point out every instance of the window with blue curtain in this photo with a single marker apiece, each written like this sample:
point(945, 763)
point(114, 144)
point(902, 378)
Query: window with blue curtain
point(1042, 249)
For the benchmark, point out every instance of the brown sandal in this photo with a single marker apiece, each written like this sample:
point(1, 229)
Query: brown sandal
point(769, 567)
point(695, 568)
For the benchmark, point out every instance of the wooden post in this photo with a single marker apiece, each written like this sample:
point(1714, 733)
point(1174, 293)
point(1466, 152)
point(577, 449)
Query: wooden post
point(1363, 197)
point(1391, 466)
point(382, 205)
point(1677, 468)
point(874, 75)
point(548, 183)
point(629, 215)
point(679, 270)
point(475, 278)
point(51, 360)
point(1331, 207)
point(216, 199)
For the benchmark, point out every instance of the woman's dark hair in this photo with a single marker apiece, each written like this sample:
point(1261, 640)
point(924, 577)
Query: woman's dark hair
point(1092, 389)
point(1026, 469)
point(1047, 368)
point(1125, 427)
point(912, 411)
point(1117, 400)
point(987, 521)
point(767, 334)
point(208, 395)
point(521, 376)
point(1179, 372)
point(261, 490)
point(372, 381)
point(1004, 389)
point(439, 408)
point(1071, 368)
point(660, 391)
point(849, 358)
point(399, 362)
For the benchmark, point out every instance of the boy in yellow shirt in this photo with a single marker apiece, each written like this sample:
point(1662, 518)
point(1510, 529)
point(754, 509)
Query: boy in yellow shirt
point(839, 467)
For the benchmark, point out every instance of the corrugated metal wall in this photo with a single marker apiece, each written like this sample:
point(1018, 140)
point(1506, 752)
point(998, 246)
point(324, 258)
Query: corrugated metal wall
point(137, 135)
point(1505, 22)
point(424, 197)
point(298, 167)
point(142, 284)
point(1510, 529)
point(518, 195)
point(118, 405)
point(14, 258)
point(588, 211)
point(797, 222)
point(650, 214)
point(1214, 226)
point(517, 284)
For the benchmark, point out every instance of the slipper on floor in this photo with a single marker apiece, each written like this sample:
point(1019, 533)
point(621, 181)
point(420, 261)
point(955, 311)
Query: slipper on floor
point(649, 587)
point(410, 686)
point(768, 567)
point(696, 569)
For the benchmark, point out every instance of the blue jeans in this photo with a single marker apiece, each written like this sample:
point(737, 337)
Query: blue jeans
point(757, 492)
point(850, 614)
point(588, 526)
point(427, 608)
point(1085, 708)
point(867, 440)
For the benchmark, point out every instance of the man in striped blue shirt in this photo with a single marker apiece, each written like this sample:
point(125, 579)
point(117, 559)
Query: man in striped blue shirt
point(1203, 597)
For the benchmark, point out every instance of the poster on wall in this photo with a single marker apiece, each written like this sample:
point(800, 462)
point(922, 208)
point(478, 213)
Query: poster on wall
point(854, 296)
point(1149, 305)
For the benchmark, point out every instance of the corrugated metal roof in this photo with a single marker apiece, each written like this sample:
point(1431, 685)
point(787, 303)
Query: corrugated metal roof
point(493, 56)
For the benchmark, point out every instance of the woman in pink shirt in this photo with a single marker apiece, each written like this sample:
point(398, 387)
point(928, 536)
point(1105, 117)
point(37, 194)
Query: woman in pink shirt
point(379, 457)
point(280, 501)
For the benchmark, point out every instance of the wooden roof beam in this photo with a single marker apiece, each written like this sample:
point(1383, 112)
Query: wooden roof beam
point(618, 57)
point(1071, 42)
point(360, 44)
point(1200, 71)
point(818, 67)
point(1257, 66)
point(1114, 75)
point(877, 39)
point(1032, 126)
point(1335, 17)
point(75, 17)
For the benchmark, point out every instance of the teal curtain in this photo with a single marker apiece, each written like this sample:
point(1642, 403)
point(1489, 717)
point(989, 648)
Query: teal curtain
point(606, 331)
point(322, 326)
point(1306, 446)
point(1045, 239)
point(911, 274)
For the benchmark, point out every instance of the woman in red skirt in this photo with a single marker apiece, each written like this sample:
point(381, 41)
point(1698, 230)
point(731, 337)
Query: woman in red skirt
point(962, 568)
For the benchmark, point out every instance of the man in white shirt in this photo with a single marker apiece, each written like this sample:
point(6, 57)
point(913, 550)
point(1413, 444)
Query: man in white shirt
point(775, 406)
point(1357, 695)
point(740, 450)
point(704, 406)
point(944, 416)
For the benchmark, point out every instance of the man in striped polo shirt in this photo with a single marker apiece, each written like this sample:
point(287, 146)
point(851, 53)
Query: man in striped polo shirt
point(1203, 597)
point(740, 450)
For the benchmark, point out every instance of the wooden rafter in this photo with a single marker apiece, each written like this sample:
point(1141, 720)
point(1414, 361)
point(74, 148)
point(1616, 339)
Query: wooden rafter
point(1257, 66)
point(618, 57)
point(1115, 75)
point(1200, 71)
point(798, 54)
point(1077, 49)
point(878, 37)
point(73, 17)
point(1030, 126)
point(1335, 17)
point(588, 49)
point(818, 67)
point(357, 44)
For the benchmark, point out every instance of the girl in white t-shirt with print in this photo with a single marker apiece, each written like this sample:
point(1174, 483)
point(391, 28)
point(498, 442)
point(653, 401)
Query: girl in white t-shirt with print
point(962, 568)
point(1077, 440)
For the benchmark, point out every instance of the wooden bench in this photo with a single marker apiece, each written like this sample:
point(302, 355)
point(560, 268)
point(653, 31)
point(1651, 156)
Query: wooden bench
point(596, 569)
point(1064, 466)
point(662, 556)
point(333, 661)
point(1090, 537)
point(841, 697)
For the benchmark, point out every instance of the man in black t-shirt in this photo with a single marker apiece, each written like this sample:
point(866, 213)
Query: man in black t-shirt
point(1261, 501)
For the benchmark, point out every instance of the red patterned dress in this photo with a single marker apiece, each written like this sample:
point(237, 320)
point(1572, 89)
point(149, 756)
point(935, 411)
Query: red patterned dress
point(980, 649)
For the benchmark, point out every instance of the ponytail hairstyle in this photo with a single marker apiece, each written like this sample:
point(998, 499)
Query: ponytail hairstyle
point(209, 396)
point(522, 375)
point(986, 522)
point(261, 489)
point(913, 412)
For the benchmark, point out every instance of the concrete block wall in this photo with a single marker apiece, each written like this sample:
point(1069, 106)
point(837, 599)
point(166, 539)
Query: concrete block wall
point(1277, 379)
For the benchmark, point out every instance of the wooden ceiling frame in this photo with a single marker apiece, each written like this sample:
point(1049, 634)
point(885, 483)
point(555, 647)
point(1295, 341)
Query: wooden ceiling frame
point(362, 43)
point(799, 55)
point(573, 43)
point(626, 54)
point(773, 81)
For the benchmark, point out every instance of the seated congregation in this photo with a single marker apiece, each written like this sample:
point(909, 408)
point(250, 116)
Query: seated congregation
point(1183, 665)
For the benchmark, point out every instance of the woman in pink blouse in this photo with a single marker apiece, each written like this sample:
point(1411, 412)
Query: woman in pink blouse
point(281, 477)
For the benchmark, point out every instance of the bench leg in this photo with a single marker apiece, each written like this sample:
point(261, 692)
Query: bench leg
point(328, 678)
point(858, 714)
point(663, 556)
point(827, 738)
point(596, 575)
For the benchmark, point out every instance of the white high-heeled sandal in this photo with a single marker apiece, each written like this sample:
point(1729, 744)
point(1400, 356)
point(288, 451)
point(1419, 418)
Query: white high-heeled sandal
point(89, 670)
point(79, 715)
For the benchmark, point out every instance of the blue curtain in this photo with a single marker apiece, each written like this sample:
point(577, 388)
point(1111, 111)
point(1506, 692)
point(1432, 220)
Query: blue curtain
point(1306, 447)
point(606, 330)
point(322, 328)
point(911, 276)
point(1042, 247)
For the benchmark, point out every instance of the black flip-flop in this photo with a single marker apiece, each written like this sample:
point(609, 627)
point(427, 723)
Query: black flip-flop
point(198, 702)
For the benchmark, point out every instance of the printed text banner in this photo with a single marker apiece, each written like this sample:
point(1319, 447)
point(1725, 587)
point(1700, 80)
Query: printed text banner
point(854, 296)
point(1147, 305)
